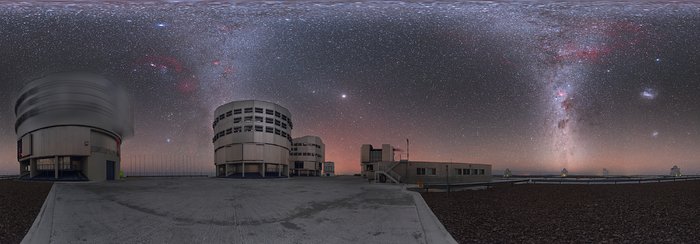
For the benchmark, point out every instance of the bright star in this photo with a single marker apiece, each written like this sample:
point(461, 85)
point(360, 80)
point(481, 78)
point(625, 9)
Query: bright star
point(343, 96)
point(648, 94)
point(161, 25)
point(654, 134)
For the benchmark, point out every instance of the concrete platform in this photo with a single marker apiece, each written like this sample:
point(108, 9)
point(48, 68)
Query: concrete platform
point(213, 210)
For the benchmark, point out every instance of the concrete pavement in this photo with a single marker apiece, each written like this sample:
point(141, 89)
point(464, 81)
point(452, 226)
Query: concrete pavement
point(213, 210)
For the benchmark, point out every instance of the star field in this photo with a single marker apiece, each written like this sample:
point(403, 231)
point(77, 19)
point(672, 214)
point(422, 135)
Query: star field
point(530, 86)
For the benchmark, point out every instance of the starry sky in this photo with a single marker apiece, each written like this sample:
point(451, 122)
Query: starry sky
point(533, 86)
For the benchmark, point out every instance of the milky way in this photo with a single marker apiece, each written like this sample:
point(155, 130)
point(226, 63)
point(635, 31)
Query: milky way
point(530, 86)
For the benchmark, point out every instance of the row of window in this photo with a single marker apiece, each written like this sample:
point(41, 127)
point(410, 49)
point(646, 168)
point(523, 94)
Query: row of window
point(433, 171)
point(304, 154)
point(306, 144)
point(250, 128)
point(471, 171)
point(250, 110)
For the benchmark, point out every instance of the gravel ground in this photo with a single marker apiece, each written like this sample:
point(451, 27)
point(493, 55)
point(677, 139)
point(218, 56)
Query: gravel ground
point(20, 202)
point(631, 213)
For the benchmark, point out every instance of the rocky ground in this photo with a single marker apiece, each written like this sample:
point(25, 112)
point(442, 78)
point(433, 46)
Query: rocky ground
point(20, 202)
point(630, 213)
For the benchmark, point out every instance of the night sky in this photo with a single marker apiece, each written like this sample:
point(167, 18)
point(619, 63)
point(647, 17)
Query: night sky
point(531, 86)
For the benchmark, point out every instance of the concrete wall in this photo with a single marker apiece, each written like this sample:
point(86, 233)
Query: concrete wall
point(63, 140)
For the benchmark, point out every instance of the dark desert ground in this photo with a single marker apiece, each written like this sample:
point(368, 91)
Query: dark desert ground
point(630, 213)
point(20, 202)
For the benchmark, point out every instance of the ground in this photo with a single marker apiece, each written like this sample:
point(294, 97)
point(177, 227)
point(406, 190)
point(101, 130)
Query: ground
point(20, 201)
point(214, 210)
point(630, 213)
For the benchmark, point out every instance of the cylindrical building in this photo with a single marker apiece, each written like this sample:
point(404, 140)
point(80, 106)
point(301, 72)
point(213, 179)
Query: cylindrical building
point(252, 139)
point(307, 156)
point(70, 127)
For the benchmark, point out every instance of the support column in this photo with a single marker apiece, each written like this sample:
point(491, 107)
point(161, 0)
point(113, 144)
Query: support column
point(32, 168)
point(225, 169)
point(55, 161)
point(263, 169)
point(279, 170)
point(243, 170)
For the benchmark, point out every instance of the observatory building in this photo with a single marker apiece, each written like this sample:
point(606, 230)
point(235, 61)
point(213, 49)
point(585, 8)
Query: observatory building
point(307, 156)
point(379, 164)
point(252, 139)
point(70, 126)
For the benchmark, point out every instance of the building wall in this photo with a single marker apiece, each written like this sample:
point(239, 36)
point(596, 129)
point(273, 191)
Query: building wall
point(314, 148)
point(409, 172)
point(366, 159)
point(251, 132)
point(328, 168)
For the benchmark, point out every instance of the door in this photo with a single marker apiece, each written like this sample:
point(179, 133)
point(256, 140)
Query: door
point(110, 170)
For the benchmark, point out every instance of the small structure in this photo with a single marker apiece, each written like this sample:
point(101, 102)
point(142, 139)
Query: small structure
point(606, 173)
point(507, 173)
point(676, 171)
point(564, 172)
point(328, 169)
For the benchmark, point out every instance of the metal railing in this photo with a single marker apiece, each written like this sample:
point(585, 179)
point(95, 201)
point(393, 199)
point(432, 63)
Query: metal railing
point(448, 187)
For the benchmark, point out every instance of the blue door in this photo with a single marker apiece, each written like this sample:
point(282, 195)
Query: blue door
point(110, 170)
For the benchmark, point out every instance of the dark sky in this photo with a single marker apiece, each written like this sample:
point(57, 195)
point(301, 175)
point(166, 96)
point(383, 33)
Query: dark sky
point(530, 86)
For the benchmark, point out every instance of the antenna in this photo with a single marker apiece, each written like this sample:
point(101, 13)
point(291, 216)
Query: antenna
point(407, 150)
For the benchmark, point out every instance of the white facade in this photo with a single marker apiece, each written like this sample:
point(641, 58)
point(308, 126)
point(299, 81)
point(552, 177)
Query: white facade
point(252, 139)
point(307, 156)
point(70, 126)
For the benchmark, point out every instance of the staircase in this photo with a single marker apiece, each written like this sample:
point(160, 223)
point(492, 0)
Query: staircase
point(388, 173)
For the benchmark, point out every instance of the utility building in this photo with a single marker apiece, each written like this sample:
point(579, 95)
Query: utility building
point(378, 164)
point(70, 126)
point(307, 156)
point(252, 139)
point(328, 169)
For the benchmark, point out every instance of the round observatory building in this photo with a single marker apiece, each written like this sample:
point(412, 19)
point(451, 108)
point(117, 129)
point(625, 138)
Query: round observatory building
point(70, 126)
point(252, 139)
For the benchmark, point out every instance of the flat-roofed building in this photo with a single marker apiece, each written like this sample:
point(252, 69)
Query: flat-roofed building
point(328, 169)
point(307, 156)
point(252, 139)
point(416, 172)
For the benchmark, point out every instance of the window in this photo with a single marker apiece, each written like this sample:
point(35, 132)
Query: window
point(269, 120)
point(237, 120)
point(248, 128)
point(284, 134)
point(284, 117)
point(259, 128)
point(269, 129)
point(229, 131)
point(229, 113)
point(298, 164)
point(221, 133)
point(237, 111)
point(277, 114)
point(277, 122)
point(475, 172)
point(248, 110)
point(467, 171)
point(420, 171)
point(269, 111)
point(248, 119)
point(284, 126)
point(482, 171)
point(236, 129)
point(258, 110)
point(277, 131)
point(369, 167)
point(431, 171)
point(221, 116)
point(258, 119)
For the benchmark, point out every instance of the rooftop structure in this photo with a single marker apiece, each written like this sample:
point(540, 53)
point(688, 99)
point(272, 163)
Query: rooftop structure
point(70, 126)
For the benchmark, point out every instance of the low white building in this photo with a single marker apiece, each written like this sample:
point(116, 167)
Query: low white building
point(676, 171)
point(307, 156)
